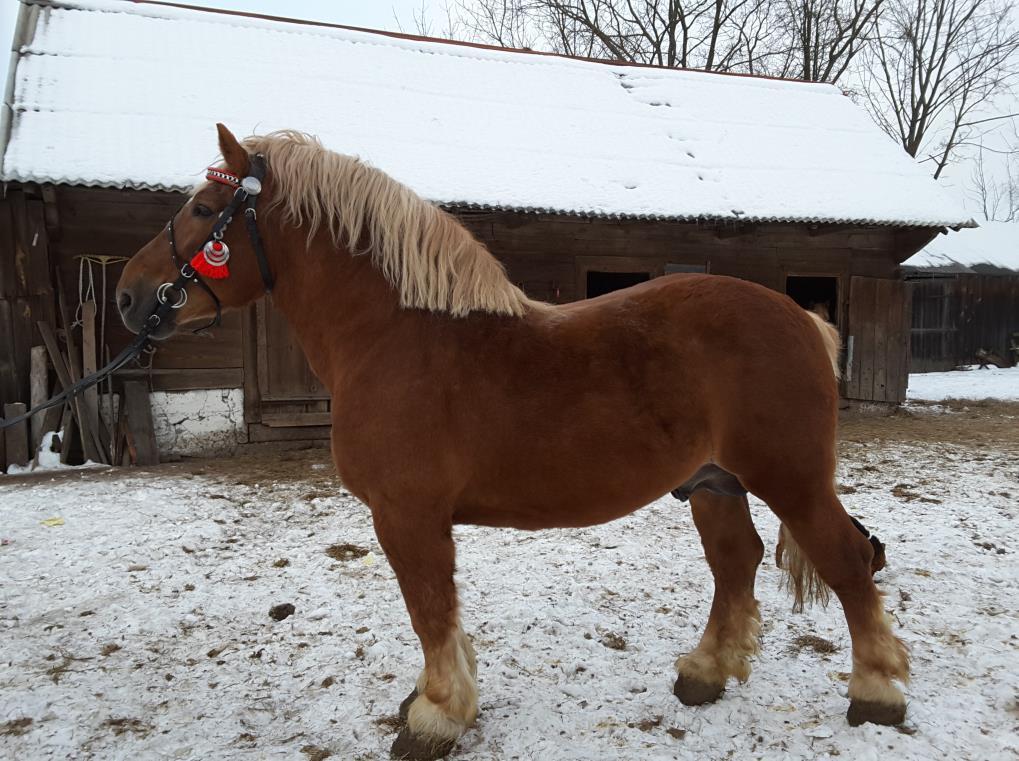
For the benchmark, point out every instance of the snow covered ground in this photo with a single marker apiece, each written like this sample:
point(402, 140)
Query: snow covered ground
point(136, 626)
point(993, 383)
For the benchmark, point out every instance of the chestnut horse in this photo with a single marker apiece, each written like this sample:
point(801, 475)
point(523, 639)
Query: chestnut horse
point(456, 399)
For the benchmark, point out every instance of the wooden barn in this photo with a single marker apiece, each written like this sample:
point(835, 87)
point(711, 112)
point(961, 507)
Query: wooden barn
point(965, 294)
point(581, 176)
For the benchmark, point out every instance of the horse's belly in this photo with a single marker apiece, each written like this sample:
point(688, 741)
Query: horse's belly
point(574, 495)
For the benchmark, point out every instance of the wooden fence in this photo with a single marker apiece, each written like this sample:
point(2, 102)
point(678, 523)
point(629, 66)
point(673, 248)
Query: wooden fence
point(956, 316)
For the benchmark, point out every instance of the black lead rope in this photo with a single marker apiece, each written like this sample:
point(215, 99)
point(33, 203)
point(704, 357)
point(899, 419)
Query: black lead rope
point(170, 296)
point(132, 350)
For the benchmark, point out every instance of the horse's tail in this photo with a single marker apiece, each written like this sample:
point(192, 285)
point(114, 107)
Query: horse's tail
point(801, 578)
point(830, 336)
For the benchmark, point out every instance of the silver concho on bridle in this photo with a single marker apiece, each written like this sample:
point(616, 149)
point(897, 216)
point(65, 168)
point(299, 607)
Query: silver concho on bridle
point(216, 252)
point(251, 185)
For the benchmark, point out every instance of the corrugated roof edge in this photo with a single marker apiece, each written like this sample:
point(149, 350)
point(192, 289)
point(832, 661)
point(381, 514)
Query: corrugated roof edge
point(24, 31)
point(953, 224)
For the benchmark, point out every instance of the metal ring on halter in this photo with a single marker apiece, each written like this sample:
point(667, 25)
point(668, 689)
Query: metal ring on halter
point(161, 295)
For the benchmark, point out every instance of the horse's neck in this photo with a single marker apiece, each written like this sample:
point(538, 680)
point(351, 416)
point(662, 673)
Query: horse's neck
point(336, 304)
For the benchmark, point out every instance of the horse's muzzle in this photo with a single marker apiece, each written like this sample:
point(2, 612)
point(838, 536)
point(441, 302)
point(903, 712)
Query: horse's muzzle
point(135, 310)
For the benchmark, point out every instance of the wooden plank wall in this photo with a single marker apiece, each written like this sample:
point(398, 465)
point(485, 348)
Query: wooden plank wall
point(933, 338)
point(542, 253)
point(118, 223)
point(990, 314)
point(26, 290)
point(955, 316)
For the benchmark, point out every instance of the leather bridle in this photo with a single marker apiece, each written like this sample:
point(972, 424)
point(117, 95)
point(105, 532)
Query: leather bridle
point(173, 295)
point(246, 192)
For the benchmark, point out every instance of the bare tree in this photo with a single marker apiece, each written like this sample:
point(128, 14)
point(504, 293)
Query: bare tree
point(720, 35)
point(997, 190)
point(824, 36)
point(809, 39)
point(935, 67)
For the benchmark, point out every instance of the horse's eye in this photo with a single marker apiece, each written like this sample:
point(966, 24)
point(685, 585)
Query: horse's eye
point(201, 210)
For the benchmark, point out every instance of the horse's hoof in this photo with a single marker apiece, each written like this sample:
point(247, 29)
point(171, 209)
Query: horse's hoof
point(863, 711)
point(694, 692)
point(879, 560)
point(419, 747)
point(405, 705)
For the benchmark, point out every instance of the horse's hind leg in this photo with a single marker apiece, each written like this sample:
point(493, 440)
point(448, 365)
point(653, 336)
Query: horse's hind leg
point(733, 550)
point(445, 701)
point(841, 555)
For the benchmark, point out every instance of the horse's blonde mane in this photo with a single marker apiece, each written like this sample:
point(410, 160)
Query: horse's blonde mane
point(431, 260)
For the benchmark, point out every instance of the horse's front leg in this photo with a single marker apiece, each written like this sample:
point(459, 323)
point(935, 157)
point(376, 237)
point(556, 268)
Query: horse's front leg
point(419, 546)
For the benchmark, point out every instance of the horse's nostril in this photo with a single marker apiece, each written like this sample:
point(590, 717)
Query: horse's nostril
point(124, 301)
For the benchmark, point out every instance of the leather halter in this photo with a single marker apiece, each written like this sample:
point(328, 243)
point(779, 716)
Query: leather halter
point(246, 194)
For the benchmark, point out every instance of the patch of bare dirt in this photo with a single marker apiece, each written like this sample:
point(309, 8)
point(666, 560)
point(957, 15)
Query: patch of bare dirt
point(646, 725)
point(965, 422)
point(123, 724)
point(613, 641)
point(281, 611)
point(817, 644)
point(16, 727)
point(346, 552)
point(315, 753)
point(390, 724)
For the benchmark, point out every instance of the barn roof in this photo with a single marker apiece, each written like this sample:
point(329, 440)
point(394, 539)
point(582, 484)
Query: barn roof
point(991, 249)
point(125, 95)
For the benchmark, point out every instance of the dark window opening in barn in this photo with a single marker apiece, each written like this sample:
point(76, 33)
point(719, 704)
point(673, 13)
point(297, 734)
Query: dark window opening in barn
point(819, 294)
point(599, 283)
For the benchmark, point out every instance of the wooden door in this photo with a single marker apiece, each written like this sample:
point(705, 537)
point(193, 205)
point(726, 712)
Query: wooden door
point(877, 344)
point(283, 392)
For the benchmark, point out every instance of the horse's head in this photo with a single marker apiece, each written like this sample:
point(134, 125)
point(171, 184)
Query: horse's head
point(143, 283)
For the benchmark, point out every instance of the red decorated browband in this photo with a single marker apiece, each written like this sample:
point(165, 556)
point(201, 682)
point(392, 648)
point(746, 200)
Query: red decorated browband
point(223, 177)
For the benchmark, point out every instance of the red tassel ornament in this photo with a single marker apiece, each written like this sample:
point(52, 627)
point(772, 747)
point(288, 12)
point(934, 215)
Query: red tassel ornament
point(211, 260)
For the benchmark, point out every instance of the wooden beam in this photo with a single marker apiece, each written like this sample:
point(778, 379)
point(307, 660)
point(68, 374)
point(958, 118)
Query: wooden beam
point(821, 229)
point(297, 419)
point(725, 230)
point(39, 389)
point(139, 422)
point(16, 436)
point(69, 433)
point(89, 444)
point(89, 366)
point(909, 241)
point(91, 441)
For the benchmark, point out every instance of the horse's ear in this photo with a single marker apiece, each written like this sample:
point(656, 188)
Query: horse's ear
point(234, 155)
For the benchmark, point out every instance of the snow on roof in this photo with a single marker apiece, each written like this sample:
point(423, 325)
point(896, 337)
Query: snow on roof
point(122, 94)
point(991, 248)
